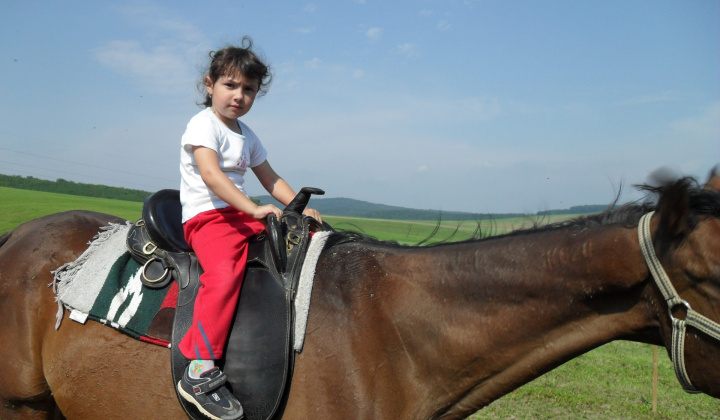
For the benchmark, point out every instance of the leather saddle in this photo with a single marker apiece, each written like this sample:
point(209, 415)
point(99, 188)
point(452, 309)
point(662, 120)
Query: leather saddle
point(259, 356)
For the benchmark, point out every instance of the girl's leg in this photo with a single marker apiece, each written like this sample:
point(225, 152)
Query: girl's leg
point(219, 238)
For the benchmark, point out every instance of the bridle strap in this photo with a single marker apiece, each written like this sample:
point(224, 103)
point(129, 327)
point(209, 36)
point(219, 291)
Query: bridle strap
point(673, 300)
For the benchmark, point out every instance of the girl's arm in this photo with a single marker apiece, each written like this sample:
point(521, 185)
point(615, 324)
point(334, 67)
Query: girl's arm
point(278, 188)
point(223, 187)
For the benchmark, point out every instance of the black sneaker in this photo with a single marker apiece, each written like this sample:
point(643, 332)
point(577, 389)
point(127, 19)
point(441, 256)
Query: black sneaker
point(210, 395)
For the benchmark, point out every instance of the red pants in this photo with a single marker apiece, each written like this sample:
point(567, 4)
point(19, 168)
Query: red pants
point(219, 238)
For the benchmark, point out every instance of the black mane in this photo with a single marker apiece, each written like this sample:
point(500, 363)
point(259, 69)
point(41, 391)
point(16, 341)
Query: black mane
point(680, 196)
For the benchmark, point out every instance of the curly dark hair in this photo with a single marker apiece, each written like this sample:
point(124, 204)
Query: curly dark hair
point(243, 60)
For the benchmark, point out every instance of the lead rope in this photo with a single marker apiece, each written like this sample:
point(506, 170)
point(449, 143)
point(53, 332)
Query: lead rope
point(673, 300)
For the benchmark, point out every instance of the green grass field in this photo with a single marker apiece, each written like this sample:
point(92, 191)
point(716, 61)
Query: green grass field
point(416, 231)
point(611, 382)
point(18, 206)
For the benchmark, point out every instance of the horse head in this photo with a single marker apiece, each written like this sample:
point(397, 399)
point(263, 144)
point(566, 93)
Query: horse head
point(687, 240)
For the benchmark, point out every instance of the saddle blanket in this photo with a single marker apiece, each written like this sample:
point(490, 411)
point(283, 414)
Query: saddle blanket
point(104, 285)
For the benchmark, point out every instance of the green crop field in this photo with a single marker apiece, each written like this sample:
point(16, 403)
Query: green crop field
point(611, 382)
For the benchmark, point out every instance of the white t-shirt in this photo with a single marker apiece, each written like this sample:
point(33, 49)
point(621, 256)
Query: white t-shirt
point(236, 153)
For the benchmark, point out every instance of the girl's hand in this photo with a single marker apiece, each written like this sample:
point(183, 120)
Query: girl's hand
point(313, 213)
point(262, 212)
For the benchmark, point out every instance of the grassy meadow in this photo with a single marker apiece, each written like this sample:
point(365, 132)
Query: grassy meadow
point(611, 382)
point(18, 206)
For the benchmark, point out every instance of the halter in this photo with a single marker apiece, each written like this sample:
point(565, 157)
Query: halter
point(674, 301)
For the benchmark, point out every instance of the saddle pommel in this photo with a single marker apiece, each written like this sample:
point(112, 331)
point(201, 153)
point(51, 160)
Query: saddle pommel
point(301, 200)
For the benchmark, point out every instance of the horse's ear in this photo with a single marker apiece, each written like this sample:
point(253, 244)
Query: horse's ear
point(673, 207)
point(713, 183)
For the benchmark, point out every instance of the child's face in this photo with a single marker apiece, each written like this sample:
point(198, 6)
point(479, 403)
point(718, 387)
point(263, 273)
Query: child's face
point(232, 96)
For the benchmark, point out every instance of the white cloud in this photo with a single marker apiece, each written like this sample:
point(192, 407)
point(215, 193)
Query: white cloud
point(444, 25)
point(306, 31)
point(668, 95)
point(314, 63)
point(426, 12)
point(310, 8)
point(163, 22)
point(407, 49)
point(702, 127)
point(358, 74)
point(159, 68)
point(374, 33)
point(164, 53)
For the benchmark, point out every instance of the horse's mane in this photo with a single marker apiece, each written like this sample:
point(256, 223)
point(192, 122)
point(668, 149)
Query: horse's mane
point(683, 196)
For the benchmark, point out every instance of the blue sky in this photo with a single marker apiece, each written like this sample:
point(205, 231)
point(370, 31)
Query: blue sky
point(482, 106)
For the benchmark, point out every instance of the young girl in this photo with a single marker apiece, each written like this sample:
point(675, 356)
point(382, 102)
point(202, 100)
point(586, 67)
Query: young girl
point(218, 218)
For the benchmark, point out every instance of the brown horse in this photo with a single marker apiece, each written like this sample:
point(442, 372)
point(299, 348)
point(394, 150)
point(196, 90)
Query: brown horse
point(395, 332)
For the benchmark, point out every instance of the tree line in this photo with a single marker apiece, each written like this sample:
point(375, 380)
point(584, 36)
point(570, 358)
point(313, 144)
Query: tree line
point(62, 186)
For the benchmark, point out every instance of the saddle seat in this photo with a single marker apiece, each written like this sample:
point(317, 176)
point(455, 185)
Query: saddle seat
point(162, 213)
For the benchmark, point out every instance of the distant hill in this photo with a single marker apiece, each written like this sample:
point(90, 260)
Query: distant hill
point(331, 206)
point(587, 209)
point(356, 208)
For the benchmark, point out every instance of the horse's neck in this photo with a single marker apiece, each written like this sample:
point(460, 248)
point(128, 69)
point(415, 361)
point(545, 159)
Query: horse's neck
point(507, 310)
